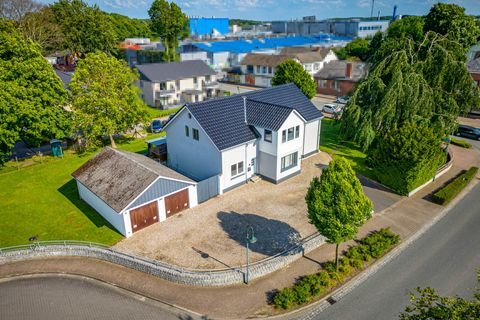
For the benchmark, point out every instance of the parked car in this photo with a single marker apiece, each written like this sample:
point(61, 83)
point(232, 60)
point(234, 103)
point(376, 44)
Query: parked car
point(331, 108)
point(342, 100)
point(468, 132)
point(156, 126)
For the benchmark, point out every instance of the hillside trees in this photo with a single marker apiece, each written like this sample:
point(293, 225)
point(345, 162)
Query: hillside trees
point(106, 100)
point(85, 29)
point(31, 95)
point(336, 203)
point(16, 9)
point(171, 24)
point(293, 72)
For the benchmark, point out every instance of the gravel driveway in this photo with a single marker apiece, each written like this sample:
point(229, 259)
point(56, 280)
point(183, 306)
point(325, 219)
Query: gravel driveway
point(212, 234)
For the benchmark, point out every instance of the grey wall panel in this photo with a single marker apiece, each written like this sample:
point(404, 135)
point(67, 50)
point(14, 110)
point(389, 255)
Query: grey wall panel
point(267, 165)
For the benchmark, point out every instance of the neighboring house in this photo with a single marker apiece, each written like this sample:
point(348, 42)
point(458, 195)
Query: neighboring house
point(174, 83)
point(474, 70)
point(141, 51)
point(263, 132)
point(340, 77)
point(132, 191)
point(258, 69)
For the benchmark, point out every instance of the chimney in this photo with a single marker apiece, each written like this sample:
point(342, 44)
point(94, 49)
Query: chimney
point(245, 108)
point(348, 70)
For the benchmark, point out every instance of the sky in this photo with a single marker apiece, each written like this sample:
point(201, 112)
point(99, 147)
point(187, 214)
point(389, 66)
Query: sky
point(268, 10)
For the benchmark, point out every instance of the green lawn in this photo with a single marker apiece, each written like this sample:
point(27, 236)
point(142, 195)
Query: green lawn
point(332, 143)
point(41, 200)
point(157, 113)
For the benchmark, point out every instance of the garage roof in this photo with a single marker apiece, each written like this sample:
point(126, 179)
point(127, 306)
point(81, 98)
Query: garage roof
point(119, 177)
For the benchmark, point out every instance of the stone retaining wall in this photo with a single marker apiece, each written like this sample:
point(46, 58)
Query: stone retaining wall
point(160, 269)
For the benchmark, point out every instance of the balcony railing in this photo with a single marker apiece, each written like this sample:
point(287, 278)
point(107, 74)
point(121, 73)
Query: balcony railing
point(210, 84)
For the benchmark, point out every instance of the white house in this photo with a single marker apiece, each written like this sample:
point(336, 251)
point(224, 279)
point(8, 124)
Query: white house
point(174, 83)
point(259, 68)
point(265, 132)
point(132, 191)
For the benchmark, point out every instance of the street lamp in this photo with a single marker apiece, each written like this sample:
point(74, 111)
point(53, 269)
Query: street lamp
point(250, 237)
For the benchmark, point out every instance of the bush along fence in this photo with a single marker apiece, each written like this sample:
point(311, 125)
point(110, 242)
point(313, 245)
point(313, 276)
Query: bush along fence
point(309, 287)
point(220, 277)
point(451, 190)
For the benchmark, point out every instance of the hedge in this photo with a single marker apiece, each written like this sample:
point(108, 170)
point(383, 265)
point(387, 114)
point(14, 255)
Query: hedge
point(460, 143)
point(451, 190)
point(311, 286)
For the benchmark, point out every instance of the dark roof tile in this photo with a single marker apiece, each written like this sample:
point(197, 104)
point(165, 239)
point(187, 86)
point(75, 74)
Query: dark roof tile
point(174, 70)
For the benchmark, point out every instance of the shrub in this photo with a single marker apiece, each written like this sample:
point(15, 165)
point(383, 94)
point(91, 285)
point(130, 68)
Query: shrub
point(335, 277)
point(356, 263)
point(451, 190)
point(460, 143)
point(285, 298)
point(379, 242)
point(329, 266)
point(324, 278)
point(344, 266)
point(315, 284)
point(302, 292)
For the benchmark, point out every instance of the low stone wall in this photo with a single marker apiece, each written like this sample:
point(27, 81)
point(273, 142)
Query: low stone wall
point(160, 269)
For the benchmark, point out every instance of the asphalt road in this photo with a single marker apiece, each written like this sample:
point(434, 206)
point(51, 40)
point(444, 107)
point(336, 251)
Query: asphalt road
point(446, 258)
point(65, 297)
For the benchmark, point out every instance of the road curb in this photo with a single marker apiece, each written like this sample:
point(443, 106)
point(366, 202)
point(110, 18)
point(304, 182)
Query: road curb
point(319, 306)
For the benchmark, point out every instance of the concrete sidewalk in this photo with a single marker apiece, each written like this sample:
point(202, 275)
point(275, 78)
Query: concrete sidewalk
point(405, 218)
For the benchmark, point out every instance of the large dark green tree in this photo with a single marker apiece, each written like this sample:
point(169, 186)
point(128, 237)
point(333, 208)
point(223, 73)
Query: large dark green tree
point(126, 27)
point(420, 82)
point(451, 20)
point(31, 95)
point(171, 24)
point(291, 71)
point(337, 205)
point(106, 100)
point(85, 29)
point(356, 49)
point(406, 157)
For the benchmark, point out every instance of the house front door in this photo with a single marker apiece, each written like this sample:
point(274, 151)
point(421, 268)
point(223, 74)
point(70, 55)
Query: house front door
point(253, 165)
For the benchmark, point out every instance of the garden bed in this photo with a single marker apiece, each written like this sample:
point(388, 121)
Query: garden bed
point(313, 287)
point(452, 189)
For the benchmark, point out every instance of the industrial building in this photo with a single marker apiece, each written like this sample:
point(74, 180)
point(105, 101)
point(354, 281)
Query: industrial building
point(229, 53)
point(349, 28)
point(201, 27)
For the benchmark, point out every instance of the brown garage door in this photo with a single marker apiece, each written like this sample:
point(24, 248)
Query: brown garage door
point(176, 202)
point(144, 216)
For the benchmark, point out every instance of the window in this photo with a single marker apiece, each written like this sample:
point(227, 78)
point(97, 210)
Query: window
point(334, 84)
point(289, 161)
point(316, 66)
point(189, 116)
point(236, 169)
point(308, 67)
point(177, 84)
point(195, 134)
point(264, 69)
point(249, 69)
point(195, 80)
point(322, 83)
point(141, 84)
point(270, 70)
point(290, 133)
point(163, 86)
point(267, 136)
point(258, 69)
point(187, 131)
point(207, 78)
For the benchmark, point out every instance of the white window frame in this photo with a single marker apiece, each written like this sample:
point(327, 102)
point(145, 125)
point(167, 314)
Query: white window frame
point(195, 134)
point(235, 169)
point(289, 161)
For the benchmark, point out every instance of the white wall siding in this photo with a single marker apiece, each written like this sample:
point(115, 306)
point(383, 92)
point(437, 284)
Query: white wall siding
point(115, 219)
point(311, 137)
point(289, 147)
point(192, 196)
point(267, 165)
point(196, 159)
point(242, 153)
point(201, 55)
point(267, 147)
point(147, 89)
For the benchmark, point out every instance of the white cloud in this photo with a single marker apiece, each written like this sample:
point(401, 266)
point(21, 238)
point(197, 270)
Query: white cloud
point(123, 4)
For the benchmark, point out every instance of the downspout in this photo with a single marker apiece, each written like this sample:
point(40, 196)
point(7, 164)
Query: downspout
point(245, 167)
point(304, 134)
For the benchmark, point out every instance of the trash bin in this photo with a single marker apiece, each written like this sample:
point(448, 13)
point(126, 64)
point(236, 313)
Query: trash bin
point(56, 147)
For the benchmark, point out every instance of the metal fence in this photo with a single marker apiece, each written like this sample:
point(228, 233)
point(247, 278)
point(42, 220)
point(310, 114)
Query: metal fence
point(219, 277)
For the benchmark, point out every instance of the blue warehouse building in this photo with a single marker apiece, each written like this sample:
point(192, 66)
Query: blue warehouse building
point(208, 26)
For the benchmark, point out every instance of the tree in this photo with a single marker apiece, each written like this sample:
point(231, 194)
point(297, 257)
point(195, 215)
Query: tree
point(42, 28)
point(451, 20)
point(126, 27)
point(425, 82)
point(171, 24)
point(291, 71)
point(105, 98)
point(85, 29)
point(357, 49)
point(31, 94)
point(406, 157)
point(429, 305)
point(16, 9)
point(336, 203)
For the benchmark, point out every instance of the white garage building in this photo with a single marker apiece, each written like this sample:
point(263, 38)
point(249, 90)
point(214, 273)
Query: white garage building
point(132, 191)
